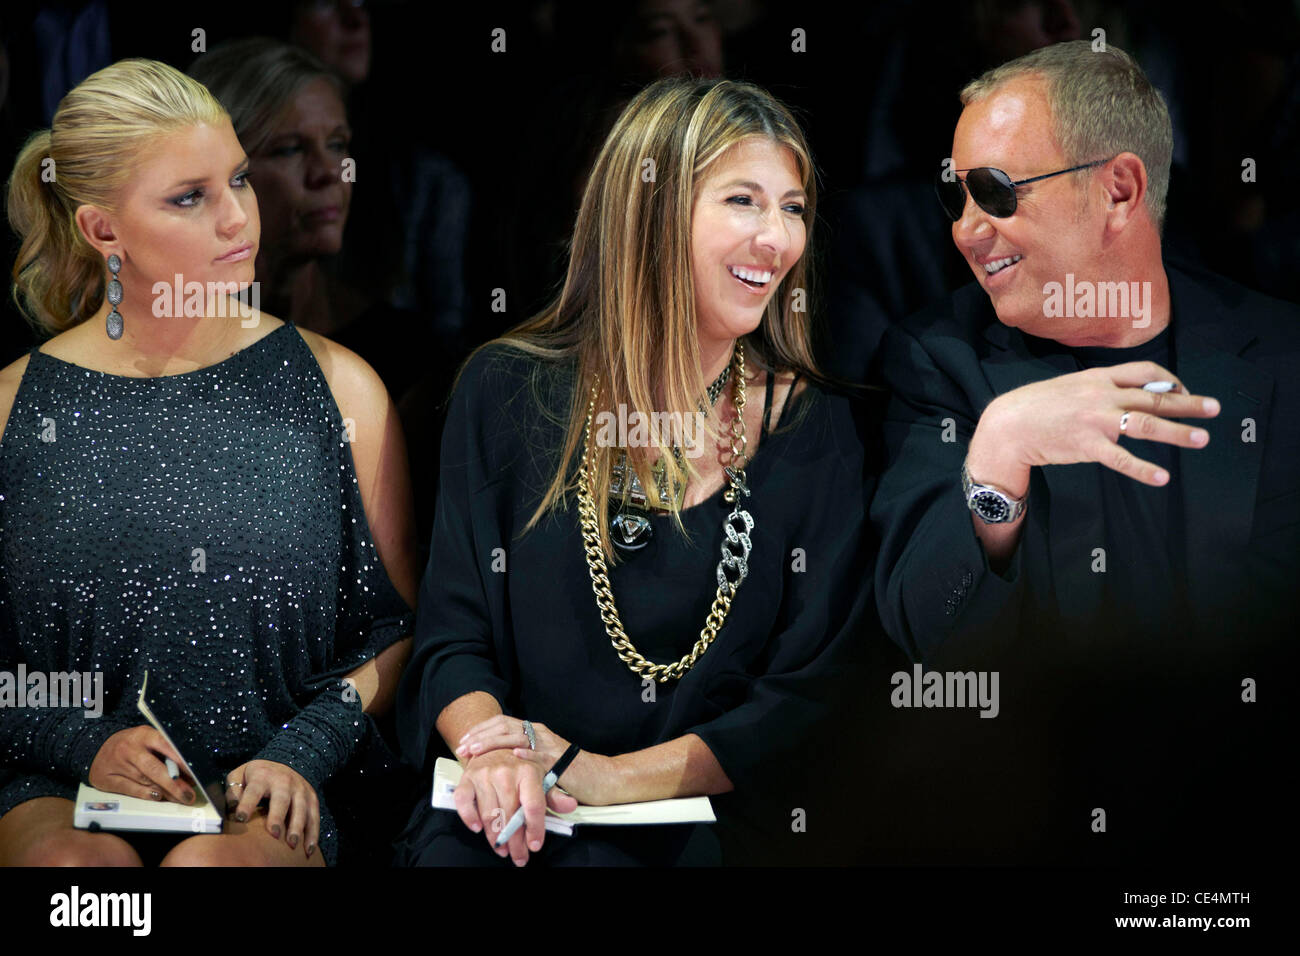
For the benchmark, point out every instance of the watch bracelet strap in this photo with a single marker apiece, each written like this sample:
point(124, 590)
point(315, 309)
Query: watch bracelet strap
point(1017, 505)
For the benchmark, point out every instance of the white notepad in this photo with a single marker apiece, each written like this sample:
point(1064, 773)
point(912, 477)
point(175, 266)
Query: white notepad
point(101, 810)
point(446, 775)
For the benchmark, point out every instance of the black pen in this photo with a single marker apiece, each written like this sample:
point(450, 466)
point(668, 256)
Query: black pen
point(548, 781)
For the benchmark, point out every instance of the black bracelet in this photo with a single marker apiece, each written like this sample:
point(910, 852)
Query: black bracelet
point(321, 740)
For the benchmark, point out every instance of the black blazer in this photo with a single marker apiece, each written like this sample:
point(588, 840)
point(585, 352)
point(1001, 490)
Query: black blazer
point(1150, 728)
point(937, 596)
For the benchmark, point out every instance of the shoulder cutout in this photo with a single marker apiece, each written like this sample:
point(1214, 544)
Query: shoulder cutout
point(378, 455)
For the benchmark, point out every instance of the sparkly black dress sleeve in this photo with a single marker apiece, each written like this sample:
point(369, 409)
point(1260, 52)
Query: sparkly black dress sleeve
point(206, 527)
point(513, 613)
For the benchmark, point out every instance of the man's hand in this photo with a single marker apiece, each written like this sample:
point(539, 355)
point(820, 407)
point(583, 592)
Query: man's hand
point(1076, 418)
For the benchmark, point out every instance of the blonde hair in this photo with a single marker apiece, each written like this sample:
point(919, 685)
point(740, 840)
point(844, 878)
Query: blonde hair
point(626, 311)
point(86, 157)
point(255, 79)
point(1102, 105)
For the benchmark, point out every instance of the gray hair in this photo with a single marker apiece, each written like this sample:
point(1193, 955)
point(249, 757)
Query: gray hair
point(255, 78)
point(1102, 105)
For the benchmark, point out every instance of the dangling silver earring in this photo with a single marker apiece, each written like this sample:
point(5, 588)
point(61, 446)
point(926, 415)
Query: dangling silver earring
point(114, 295)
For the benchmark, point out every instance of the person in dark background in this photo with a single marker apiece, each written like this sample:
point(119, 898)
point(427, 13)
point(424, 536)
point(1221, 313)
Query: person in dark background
point(608, 52)
point(397, 272)
point(338, 33)
point(289, 113)
point(1122, 589)
point(405, 239)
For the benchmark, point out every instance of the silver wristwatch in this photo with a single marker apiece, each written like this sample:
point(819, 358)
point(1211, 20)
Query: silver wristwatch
point(991, 505)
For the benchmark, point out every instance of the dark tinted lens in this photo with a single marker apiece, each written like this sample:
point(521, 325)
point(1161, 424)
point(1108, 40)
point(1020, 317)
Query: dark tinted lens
point(951, 195)
point(992, 189)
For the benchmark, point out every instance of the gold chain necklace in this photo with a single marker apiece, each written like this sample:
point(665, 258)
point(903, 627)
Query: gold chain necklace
point(735, 548)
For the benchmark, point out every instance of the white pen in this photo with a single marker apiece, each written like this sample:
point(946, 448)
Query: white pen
point(548, 782)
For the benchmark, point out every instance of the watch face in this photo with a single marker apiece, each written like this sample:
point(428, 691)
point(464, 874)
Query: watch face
point(990, 506)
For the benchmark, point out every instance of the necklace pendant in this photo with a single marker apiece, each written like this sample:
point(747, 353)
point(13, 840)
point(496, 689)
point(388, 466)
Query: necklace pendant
point(661, 487)
point(737, 477)
point(630, 531)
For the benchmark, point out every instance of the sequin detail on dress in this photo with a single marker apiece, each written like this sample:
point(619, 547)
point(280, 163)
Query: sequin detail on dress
point(207, 526)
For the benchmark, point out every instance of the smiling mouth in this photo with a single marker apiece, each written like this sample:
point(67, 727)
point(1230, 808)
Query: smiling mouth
point(755, 279)
point(997, 265)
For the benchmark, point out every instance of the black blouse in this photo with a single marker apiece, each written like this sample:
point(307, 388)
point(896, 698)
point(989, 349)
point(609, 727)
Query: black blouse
point(513, 614)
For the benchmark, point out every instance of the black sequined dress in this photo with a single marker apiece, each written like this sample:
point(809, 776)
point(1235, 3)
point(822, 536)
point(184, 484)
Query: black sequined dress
point(207, 527)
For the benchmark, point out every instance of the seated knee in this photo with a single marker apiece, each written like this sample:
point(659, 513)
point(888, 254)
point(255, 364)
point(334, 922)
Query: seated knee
point(213, 850)
point(79, 849)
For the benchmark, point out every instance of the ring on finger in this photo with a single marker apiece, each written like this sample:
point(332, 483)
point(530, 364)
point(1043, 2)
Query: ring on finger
point(530, 734)
point(155, 795)
point(1123, 422)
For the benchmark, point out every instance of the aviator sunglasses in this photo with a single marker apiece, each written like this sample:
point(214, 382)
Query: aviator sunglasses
point(992, 189)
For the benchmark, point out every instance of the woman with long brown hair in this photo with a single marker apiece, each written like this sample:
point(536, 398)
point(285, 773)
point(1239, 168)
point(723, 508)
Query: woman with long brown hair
point(625, 442)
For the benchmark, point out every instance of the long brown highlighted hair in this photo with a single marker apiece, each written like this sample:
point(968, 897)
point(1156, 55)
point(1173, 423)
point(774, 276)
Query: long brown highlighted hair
point(626, 311)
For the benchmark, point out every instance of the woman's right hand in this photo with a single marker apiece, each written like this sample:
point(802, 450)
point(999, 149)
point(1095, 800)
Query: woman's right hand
point(492, 788)
point(131, 762)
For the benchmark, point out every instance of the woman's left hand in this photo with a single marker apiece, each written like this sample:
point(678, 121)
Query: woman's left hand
point(590, 778)
point(293, 811)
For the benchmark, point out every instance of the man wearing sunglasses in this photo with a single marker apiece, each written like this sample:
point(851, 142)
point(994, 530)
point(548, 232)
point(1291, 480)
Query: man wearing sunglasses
point(1093, 473)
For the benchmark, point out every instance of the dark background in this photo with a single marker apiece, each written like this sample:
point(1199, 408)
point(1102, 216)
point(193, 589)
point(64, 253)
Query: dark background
point(876, 91)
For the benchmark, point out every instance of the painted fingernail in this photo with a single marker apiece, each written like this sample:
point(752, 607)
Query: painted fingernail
point(1211, 405)
point(520, 862)
point(311, 848)
point(535, 845)
point(293, 840)
point(462, 749)
point(1161, 476)
point(275, 831)
point(1200, 436)
point(189, 796)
